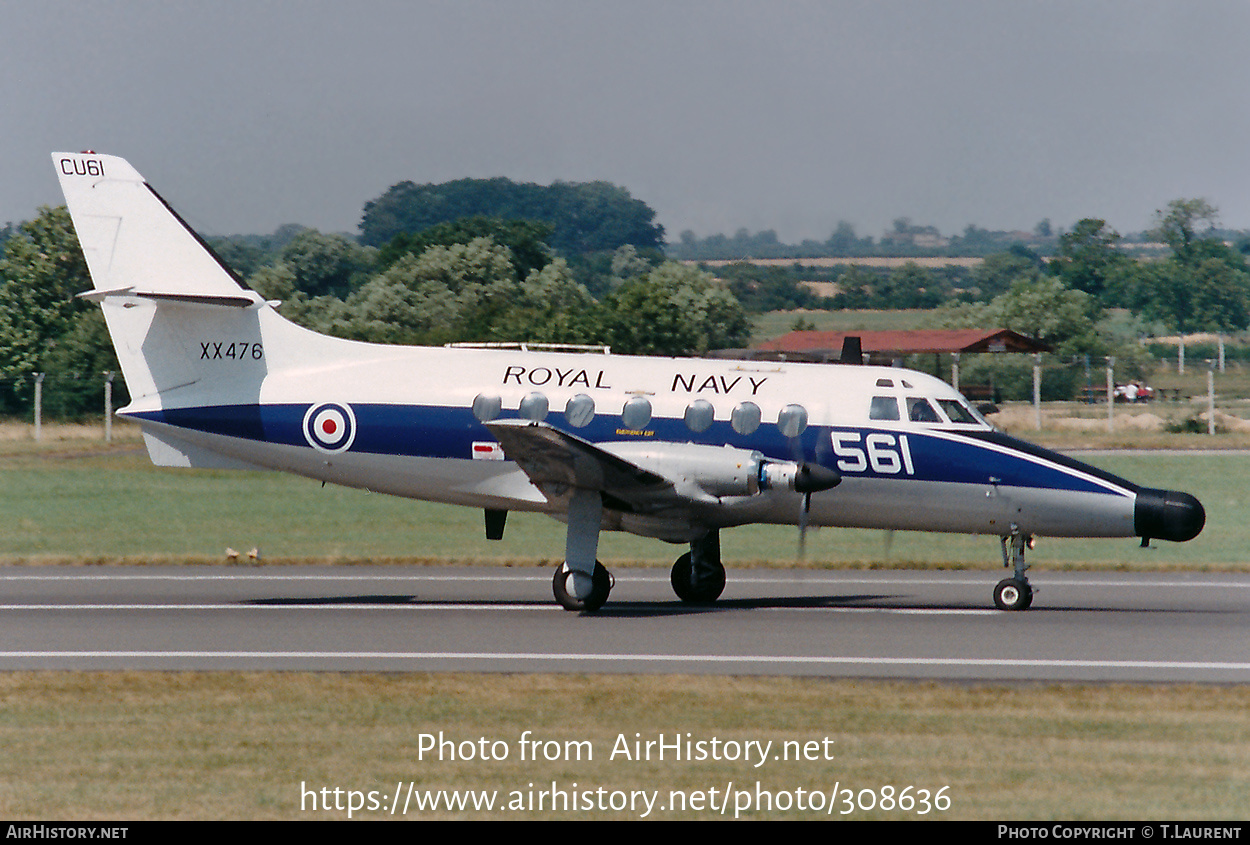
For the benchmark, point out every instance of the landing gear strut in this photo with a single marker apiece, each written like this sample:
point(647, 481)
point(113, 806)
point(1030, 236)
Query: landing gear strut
point(698, 576)
point(581, 582)
point(1014, 593)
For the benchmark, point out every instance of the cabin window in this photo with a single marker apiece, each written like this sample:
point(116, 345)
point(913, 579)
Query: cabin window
point(745, 418)
point(883, 408)
point(534, 407)
point(636, 413)
point(579, 411)
point(792, 420)
point(486, 408)
point(885, 382)
point(919, 410)
point(699, 415)
point(958, 412)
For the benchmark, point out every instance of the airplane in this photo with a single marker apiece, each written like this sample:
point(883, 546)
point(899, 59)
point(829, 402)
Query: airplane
point(675, 449)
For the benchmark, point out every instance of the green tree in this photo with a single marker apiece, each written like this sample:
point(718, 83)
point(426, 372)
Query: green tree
point(585, 217)
point(855, 284)
point(553, 308)
point(1042, 308)
point(1210, 295)
point(1177, 225)
point(76, 363)
point(525, 239)
point(1205, 285)
point(326, 264)
point(762, 289)
point(1089, 257)
point(998, 272)
point(909, 286)
point(41, 272)
point(674, 310)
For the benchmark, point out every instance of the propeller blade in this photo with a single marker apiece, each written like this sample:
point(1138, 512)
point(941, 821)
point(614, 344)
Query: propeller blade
point(803, 512)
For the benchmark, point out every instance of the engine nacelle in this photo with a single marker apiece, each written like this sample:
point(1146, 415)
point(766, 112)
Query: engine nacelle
point(718, 472)
point(693, 468)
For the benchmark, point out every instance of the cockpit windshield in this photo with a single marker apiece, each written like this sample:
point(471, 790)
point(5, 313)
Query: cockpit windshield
point(960, 413)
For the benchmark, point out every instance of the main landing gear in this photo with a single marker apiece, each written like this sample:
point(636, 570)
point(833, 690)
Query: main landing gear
point(581, 582)
point(1014, 593)
point(698, 576)
point(564, 586)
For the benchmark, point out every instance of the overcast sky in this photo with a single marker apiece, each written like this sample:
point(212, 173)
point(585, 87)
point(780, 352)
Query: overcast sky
point(780, 114)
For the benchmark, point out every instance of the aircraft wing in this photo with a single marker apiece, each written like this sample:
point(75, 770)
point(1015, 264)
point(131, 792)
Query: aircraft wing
point(557, 462)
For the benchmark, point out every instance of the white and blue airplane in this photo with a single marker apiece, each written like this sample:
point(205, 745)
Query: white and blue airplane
point(671, 448)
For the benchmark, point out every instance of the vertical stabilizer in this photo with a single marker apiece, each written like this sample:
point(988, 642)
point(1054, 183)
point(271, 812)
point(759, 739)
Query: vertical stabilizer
point(174, 311)
point(131, 238)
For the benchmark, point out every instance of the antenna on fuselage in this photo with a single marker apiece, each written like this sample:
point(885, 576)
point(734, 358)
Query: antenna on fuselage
point(852, 350)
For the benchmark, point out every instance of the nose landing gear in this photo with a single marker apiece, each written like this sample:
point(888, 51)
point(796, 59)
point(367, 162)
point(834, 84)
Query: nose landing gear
point(1014, 593)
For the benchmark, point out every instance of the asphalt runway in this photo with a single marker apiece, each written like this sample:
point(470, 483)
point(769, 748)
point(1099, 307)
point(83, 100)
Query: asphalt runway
point(1157, 627)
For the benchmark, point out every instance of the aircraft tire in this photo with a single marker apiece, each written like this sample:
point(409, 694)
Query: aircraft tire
point(601, 585)
point(707, 593)
point(1013, 594)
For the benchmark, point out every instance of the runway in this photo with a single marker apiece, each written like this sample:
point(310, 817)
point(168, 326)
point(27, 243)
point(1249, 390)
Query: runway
point(1157, 627)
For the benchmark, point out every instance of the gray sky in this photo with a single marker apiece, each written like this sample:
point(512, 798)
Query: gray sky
point(778, 114)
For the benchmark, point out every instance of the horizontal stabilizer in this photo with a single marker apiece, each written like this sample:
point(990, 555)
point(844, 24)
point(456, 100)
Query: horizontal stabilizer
point(246, 299)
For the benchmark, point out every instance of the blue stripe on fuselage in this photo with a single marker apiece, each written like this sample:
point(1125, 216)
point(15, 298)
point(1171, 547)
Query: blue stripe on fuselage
point(441, 432)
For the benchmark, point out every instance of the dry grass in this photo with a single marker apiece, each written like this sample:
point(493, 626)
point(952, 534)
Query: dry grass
point(239, 745)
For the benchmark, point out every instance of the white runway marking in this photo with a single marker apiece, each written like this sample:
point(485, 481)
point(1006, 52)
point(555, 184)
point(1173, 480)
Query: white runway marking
point(918, 576)
point(565, 657)
point(544, 607)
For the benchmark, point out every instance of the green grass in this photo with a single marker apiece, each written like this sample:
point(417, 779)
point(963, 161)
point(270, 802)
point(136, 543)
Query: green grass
point(238, 745)
point(776, 323)
point(132, 745)
point(91, 506)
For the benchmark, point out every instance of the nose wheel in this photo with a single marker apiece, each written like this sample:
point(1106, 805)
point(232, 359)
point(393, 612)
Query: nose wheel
point(1014, 593)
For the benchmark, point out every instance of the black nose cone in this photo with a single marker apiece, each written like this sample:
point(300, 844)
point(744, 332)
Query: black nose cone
point(1168, 515)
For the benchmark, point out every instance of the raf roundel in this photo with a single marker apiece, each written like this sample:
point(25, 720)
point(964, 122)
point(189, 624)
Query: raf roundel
point(330, 427)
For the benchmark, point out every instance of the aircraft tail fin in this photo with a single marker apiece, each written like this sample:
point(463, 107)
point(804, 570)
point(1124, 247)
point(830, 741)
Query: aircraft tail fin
point(130, 236)
point(175, 311)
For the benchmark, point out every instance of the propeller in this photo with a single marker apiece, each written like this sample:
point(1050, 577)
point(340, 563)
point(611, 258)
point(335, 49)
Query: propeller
point(809, 479)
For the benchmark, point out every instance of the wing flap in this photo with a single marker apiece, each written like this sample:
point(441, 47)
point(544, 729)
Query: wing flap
point(556, 461)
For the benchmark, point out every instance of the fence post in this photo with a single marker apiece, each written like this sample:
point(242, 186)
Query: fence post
point(1037, 390)
point(38, 407)
point(108, 406)
point(1210, 397)
point(1110, 394)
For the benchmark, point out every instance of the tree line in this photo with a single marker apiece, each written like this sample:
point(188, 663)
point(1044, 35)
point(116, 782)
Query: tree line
point(488, 277)
point(583, 267)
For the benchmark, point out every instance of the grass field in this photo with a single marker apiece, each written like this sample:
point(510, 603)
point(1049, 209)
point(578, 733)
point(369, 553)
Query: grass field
point(134, 745)
point(776, 323)
point(78, 502)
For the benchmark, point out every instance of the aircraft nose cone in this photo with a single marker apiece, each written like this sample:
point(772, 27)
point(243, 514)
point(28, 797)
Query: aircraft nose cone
point(1168, 515)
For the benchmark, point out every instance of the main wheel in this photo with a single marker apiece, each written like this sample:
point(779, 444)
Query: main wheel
point(562, 587)
point(709, 589)
point(1013, 594)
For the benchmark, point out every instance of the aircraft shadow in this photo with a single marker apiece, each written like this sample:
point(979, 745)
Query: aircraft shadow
point(643, 609)
point(675, 607)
